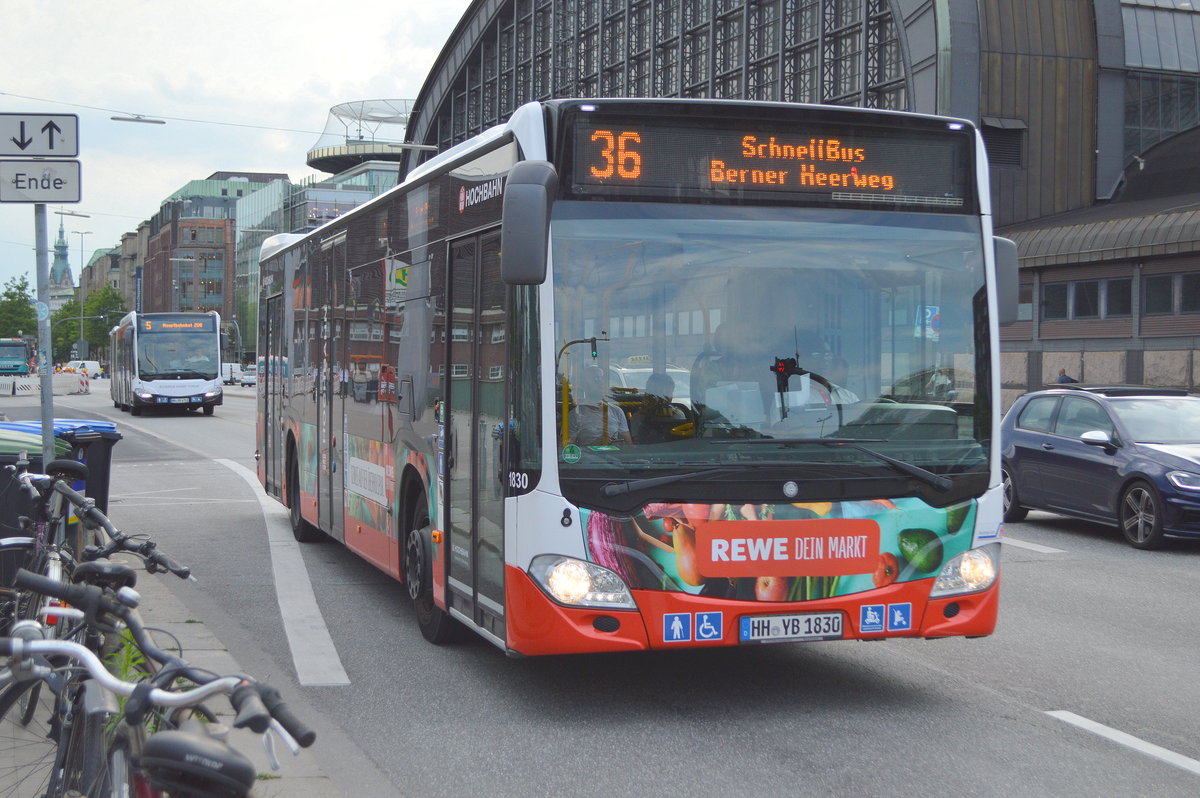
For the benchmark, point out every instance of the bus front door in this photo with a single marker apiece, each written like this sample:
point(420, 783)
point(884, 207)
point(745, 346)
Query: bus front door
point(474, 389)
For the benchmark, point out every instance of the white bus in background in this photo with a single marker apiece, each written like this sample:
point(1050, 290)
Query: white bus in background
point(166, 360)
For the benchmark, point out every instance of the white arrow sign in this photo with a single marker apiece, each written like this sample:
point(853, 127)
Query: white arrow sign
point(39, 135)
point(39, 181)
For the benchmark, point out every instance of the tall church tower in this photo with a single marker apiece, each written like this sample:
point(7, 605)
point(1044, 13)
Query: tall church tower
point(62, 283)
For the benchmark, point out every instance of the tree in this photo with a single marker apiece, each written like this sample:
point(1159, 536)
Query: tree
point(101, 310)
point(17, 312)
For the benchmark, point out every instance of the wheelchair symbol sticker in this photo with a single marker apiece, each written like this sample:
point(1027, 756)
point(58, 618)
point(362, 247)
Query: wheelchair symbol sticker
point(709, 625)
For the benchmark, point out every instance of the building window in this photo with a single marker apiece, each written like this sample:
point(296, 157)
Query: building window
point(1084, 299)
point(1118, 297)
point(495, 372)
point(1189, 295)
point(1025, 303)
point(1054, 301)
point(1087, 300)
point(458, 370)
point(1158, 295)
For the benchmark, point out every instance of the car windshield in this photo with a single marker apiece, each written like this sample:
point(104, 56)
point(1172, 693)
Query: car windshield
point(1160, 419)
point(690, 336)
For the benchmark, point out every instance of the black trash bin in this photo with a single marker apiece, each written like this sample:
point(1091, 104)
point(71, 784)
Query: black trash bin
point(88, 441)
point(14, 503)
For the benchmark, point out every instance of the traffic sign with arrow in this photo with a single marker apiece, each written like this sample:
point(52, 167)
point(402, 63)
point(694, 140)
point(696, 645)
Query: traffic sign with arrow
point(39, 135)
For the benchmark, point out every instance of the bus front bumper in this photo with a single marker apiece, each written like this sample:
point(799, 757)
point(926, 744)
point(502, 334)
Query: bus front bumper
point(537, 625)
point(196, 400)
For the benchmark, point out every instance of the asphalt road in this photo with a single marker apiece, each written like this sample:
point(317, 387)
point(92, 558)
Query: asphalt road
point(1089, 629)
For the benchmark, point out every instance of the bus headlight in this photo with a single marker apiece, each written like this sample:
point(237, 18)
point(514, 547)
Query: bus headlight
point(580, 584)
point(969, 572)
point(212, 394)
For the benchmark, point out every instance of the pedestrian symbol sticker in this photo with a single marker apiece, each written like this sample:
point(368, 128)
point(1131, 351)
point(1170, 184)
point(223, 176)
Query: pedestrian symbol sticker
point(899, 617)
point(709, 625)
point(677, 627)
point(871, 618)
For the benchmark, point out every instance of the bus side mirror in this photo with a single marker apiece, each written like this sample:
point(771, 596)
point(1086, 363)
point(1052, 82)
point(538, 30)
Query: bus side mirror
point(525, 229)
point(1006, 280)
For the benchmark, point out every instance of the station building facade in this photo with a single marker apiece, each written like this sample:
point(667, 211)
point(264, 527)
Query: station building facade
point(1089, 110)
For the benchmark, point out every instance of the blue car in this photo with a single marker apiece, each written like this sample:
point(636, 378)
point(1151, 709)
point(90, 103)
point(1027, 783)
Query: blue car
point(1127, 456)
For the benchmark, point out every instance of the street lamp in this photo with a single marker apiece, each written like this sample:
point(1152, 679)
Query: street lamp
point(79, 295)
point(238, 330)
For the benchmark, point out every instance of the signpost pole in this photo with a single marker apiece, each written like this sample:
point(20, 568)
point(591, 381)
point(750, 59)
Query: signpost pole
point(45, 369)
point(41, 142)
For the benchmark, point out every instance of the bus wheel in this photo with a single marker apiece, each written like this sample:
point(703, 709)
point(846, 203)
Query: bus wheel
point(208, 409)
point(135, 410)
point(302, 530)
point(435, 623)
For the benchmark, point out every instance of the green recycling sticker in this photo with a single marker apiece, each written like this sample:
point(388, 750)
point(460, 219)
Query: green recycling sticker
point(571, 453)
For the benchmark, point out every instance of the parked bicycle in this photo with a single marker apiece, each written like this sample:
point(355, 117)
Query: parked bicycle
point(162, 741)
point(63, 731)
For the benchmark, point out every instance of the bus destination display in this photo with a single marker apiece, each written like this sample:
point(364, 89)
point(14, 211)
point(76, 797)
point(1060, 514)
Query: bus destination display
point(807, 163)
point(190, 322)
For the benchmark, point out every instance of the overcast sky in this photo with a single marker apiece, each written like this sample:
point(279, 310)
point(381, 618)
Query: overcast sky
point(259, 76)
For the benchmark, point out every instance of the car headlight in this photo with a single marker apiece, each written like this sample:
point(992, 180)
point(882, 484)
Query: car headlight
point(969, 572)
point(1184, 479)
point(580, 584)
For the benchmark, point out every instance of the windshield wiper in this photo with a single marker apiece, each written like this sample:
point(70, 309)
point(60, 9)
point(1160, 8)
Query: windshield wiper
point(618, 488)
point(928, 477)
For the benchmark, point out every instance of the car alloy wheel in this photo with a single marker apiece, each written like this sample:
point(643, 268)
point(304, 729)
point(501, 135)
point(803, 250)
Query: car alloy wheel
point(1140, 516)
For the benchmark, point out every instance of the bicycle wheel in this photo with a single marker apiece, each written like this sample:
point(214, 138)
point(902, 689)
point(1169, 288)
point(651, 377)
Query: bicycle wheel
point(30, 729)
point(49, 745)
point(16, 553)
point(82, 760)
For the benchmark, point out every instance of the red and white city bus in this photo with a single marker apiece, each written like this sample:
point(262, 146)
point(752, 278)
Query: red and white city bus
point(643, 374)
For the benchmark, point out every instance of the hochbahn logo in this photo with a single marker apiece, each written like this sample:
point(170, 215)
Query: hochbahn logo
point(480, 193)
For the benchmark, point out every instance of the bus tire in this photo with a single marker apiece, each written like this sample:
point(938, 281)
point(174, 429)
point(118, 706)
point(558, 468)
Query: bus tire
point(135, 409)
point(435, 624)
point(208, 409)
point(302, 530)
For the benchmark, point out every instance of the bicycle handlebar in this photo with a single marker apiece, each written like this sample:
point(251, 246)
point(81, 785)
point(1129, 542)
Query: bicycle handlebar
point(257, 704)
point(16, 648)
point(40, 486)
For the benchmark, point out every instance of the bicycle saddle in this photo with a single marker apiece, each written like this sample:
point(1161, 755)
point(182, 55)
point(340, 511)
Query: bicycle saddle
point(105, 573)
point(67, 469)
point(191, 764)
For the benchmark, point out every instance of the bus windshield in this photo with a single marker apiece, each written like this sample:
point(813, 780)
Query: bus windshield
point(182, 355)
point(692, 336)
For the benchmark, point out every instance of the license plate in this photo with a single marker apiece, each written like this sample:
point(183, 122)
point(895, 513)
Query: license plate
point(786, 628)
point(181, 400)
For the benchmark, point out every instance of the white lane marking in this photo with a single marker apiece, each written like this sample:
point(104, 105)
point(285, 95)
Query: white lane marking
point(1024, 544)
point(313, 652)
point(1128, 740)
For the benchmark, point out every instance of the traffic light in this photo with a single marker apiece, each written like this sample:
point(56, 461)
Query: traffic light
point(785, 367)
